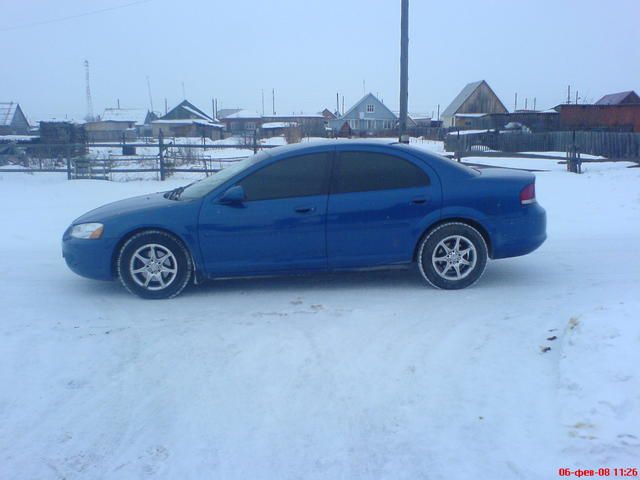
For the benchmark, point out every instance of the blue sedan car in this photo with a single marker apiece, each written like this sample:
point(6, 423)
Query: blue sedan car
point(312, 208)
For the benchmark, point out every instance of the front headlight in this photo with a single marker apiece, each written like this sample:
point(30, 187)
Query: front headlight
point(87, 230)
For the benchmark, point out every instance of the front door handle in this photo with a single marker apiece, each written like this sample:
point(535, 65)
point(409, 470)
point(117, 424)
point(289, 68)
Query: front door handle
point(305, 209)
point(420, 200)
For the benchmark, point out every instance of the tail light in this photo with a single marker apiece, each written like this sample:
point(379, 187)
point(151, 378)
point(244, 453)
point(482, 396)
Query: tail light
point(528, 194)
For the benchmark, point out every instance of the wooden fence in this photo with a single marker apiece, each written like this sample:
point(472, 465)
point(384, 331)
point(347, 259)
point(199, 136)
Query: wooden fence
point(613, 145)
point(78, 161)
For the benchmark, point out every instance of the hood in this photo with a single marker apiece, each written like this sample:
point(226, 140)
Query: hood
point(125, 207)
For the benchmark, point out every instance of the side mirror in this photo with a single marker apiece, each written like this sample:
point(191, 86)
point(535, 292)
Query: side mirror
point(233, 196)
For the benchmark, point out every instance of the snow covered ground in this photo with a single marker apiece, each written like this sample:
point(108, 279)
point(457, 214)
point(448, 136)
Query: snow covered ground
point(353, 376)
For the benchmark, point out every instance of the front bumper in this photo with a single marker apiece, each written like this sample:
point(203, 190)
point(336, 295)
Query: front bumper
point(520, 234)
point(89, 258)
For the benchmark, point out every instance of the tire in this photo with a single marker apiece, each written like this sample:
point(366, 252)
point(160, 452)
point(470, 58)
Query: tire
point(452, 256)
point(154, 265)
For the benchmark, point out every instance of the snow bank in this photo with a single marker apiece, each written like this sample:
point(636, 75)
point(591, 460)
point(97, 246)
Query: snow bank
point(352, 376)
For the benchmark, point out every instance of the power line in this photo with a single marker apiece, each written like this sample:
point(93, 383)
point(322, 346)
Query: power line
point(71, 17)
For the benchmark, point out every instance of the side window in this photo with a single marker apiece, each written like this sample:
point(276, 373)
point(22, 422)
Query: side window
point(292, 177)
point(365, 171)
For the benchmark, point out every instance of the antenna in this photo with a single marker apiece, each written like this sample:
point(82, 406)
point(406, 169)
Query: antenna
point(89, 116)
point(149, 90)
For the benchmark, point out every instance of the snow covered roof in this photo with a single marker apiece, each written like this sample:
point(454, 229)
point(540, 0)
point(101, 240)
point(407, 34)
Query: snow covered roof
point(131, 115)
point(7, 112)
point(244, 114)
point(470, 115)
point(190, 121)
point(278, 125)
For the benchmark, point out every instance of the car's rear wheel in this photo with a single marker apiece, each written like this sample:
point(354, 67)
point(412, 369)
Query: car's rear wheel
point(153, 264)
point(452, 256)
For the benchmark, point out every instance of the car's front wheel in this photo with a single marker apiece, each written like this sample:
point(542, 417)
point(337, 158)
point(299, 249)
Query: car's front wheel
point(153, 264)
point(453, 255)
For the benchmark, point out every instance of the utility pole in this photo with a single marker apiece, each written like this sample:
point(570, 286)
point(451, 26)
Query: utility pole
point(515, 104)
point(568, 93)
point(577, 97)
point(149, 90)
point(526, 102)
point(404, 69)
point(438, 113)
point(273, 100)
point(337, 104)
point(165, 106)
point(534, 103)
point(263, 102)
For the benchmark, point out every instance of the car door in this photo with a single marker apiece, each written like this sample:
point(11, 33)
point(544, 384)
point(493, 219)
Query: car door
point(279, 227)
point(378, 206)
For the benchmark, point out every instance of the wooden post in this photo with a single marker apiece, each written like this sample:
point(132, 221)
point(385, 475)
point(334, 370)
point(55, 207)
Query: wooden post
point(255, 141)
point(161, 155)
point(68, 167)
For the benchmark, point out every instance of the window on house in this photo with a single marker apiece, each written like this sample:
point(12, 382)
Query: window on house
point(371, 108)
point(250, 125)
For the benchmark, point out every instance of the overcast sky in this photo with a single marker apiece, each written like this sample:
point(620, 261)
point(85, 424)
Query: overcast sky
point(308, 50)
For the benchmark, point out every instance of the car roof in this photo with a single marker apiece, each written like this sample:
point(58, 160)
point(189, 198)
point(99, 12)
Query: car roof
point(329, 144)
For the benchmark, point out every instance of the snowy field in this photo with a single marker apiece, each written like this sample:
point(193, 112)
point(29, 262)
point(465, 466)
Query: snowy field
point(353, 376)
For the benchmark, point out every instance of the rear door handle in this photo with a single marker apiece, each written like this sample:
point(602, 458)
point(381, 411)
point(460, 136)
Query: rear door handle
point(305, 209)
point(420, 200)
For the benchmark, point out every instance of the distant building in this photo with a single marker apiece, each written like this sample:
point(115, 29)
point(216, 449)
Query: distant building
point(247, 122)
point(368, 117)
point(187, 120)
point(617, 118)
point(329, 115)
point(475, 99)
point(117, 124)
point(242, 122)
point(13, 121)
point(621, 98)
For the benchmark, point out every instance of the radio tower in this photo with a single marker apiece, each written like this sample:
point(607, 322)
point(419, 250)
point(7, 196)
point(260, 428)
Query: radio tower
point(89, 117)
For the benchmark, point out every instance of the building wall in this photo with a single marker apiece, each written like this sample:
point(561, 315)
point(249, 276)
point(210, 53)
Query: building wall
point(188, 130)
point(624, 118)
point(110, 131)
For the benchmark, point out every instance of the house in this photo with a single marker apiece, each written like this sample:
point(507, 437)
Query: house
point(369, 117)
point(474, 100)
point(242, 122)
point(117, 124)
point(187, 120)
point(622, 98)
point(329, 115)
point(13, 121)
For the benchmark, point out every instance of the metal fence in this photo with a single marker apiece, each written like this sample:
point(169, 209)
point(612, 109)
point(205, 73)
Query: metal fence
point(612, 145)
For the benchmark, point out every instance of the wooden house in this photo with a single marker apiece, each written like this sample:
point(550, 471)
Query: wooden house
point(13, 121)
point(474, 100)
point(187, 120)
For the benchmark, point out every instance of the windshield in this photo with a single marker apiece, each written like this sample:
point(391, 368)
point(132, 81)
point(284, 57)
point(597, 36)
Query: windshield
point(202, 187)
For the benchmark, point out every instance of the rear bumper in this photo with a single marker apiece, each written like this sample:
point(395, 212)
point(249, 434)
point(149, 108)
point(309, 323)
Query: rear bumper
point(88, 258)
point(520, 234)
